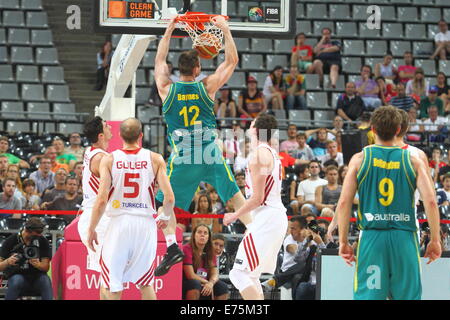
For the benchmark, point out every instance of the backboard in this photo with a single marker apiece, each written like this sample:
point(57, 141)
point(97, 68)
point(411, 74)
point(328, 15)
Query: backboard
point(252, 19)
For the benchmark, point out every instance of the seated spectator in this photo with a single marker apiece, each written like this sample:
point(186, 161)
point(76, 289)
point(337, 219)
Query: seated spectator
point(368, 89)
point(349, 105)
point(436, 163)
point(338, 127)
point(223, 260)
point(444, 170)
point(303, 152)
point(217, 205)
point(55, 191)
point(31, 199)
point(443, 91)
point(387, 90)
point(55, 165)
point(225, 106)
point(32, 275)
point(3, 166)
point(302, 55)
point(332, 154)
point(200, 275)
point(12, 159)
point(240, 181)
point(406, 71)
point(386, 69)
point(75, 147)
point(302, 173)
point(251, 100)
point(291, 144)
point(401, 100)
point(307, 189)
point(13, 172)
point(204, 206)
point(241, 161)
point(327, 196)
point(342, 172)
point(62, 157)
point(8, 201)
point(318, 145)
point(328, 57)
point(446, 186)
point(275, 89)
point(418, 87)
point(43, 177)
point(295, 89)
point(364, 125)
point(434, 122)
point(103, 63)
point(415, 125)
point(429, 101)
point(442, 41)
point(78, 173)
point(69, 201)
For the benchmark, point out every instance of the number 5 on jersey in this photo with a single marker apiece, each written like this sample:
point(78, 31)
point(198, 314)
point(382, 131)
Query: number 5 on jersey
point(131, 184)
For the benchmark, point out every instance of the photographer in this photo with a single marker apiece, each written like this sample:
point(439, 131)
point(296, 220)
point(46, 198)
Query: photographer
point(308, 237)
point(25, 259)
point(425, 237)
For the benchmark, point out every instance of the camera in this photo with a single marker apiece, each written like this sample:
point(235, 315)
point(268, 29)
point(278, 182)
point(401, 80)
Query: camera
point(25, 253)
point(425, 227)
point(314, 227)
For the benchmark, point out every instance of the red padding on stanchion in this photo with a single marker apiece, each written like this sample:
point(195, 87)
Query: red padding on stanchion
point(178, 215)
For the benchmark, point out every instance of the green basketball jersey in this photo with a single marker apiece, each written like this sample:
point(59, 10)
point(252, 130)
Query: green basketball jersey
point(189, 114)
point(386, 185)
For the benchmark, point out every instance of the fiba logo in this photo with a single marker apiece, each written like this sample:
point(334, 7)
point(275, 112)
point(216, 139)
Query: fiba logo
point(116, 204)
point(369, 217)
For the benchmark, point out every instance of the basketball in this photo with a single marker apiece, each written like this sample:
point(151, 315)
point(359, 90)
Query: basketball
point(209, 50)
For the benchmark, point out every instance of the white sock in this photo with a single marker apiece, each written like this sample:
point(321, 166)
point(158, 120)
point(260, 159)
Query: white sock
point(170, 239)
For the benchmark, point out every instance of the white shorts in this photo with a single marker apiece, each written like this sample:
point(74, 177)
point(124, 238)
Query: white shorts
point(258, 251)
point(129, 252)
point(93, 258)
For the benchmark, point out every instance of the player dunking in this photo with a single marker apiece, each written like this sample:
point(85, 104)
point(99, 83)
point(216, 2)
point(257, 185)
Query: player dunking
point(126, 194)
point(386, 176)
point(258, 250)
point(98, 133)
point(188, 108)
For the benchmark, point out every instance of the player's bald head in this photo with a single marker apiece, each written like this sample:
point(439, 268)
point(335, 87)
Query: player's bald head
point(130, 130)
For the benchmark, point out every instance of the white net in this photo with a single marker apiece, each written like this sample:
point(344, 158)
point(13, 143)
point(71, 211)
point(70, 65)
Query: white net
point(208, 35)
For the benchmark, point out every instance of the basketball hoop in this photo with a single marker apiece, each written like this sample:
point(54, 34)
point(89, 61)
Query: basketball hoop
point(201, 29)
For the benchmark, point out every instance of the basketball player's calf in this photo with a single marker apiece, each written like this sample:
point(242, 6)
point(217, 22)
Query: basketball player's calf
point(174, 254)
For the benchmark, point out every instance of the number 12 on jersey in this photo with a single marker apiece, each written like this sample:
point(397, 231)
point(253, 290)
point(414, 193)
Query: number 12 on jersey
point(184, 113)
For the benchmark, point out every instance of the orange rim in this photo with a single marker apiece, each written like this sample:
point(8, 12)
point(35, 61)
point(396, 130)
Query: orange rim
point(197, 17)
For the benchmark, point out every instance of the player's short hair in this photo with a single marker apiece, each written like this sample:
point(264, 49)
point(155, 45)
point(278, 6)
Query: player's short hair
point(130, 130)
point(386, 121)
point(187, 61)
point(218, 236)
point(301, 221)
point(93, 128)
point(405, 122)
point(265, 124)
point(331, 168)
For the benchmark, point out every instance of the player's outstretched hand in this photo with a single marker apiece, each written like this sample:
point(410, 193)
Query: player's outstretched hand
point(433, 252)
point(220, 22)
point(346, 252)
point(229, 218)
point(92, 237)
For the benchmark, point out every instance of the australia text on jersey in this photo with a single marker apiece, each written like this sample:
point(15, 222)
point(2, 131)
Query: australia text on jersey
point(190, 142)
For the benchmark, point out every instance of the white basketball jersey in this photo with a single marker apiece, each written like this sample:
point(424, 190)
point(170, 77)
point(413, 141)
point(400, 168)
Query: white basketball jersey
point(90, 181)
point(133, 184)
point(272, 189)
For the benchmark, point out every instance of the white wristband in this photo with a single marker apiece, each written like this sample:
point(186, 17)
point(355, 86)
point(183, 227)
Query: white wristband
point(162, 217)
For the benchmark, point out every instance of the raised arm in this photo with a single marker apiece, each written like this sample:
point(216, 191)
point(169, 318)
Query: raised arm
point(161, 69)
point(224, 72)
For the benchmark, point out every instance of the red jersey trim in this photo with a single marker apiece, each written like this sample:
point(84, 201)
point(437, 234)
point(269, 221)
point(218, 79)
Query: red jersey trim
point(135, 151)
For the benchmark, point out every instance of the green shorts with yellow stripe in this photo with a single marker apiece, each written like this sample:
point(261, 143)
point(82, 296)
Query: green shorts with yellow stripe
point(387, 266)
point(185, 175)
